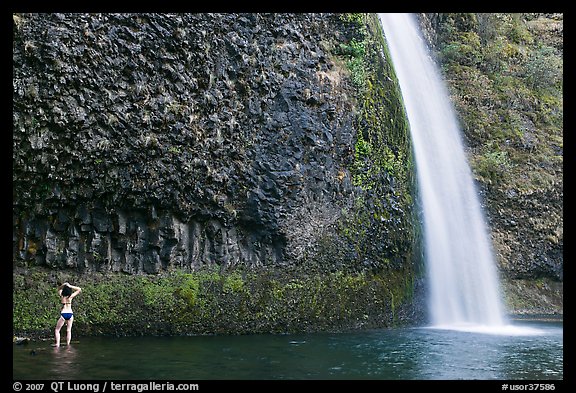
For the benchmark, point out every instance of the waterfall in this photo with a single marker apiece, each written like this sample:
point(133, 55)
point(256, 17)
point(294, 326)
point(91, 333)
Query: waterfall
point(463, 280)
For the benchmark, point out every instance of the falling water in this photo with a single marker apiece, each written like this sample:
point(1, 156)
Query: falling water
point(464, 287)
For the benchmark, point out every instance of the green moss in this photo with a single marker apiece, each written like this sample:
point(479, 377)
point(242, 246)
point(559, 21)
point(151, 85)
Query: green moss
point(353, 53)
point(518, 32)
point(540, 296)
point(356, 18)
point(379, 226)
point(234, 283)
point(188, 288)
point(465, 49)
point(209, 302)
point(492, 166)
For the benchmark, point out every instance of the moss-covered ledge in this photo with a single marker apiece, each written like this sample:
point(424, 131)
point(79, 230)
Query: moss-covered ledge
point(210, 301)
point(541, 296)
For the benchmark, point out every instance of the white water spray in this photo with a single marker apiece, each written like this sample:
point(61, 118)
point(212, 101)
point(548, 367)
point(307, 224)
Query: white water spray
point(464, 286)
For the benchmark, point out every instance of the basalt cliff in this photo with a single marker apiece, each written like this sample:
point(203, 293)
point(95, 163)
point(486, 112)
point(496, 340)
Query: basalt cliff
point(234, 173)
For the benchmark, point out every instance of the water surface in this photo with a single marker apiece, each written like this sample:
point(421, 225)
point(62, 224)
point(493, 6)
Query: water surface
point(386, 354)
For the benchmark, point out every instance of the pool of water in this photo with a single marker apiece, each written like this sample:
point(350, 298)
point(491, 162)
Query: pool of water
point(419, 353)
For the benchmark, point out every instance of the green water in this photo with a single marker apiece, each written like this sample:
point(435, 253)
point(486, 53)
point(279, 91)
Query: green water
point(388, 354)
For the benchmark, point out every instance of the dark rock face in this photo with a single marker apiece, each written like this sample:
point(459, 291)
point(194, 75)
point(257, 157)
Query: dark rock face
point(143, 142)
point(528, 233)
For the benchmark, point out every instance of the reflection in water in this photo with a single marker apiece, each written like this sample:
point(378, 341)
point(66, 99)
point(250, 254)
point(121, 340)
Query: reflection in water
point(462, 355)
point(63, 363)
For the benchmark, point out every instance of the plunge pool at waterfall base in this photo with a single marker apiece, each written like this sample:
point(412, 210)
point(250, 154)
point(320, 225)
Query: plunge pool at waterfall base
point(414, 353)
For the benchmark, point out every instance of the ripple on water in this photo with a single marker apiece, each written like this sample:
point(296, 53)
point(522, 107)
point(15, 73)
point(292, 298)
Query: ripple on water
point(504, 330)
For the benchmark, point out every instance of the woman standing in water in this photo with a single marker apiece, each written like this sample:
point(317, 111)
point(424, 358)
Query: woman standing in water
point(66, 292)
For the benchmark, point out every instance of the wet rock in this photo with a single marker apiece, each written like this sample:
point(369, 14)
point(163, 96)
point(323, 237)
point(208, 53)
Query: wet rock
point(20, 340)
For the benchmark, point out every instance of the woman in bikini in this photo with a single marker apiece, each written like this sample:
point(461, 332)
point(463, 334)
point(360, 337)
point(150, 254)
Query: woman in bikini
point(66, 292)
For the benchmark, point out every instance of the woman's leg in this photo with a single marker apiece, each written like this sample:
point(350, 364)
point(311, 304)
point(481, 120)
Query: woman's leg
point(69, 330)
point(59, 325)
